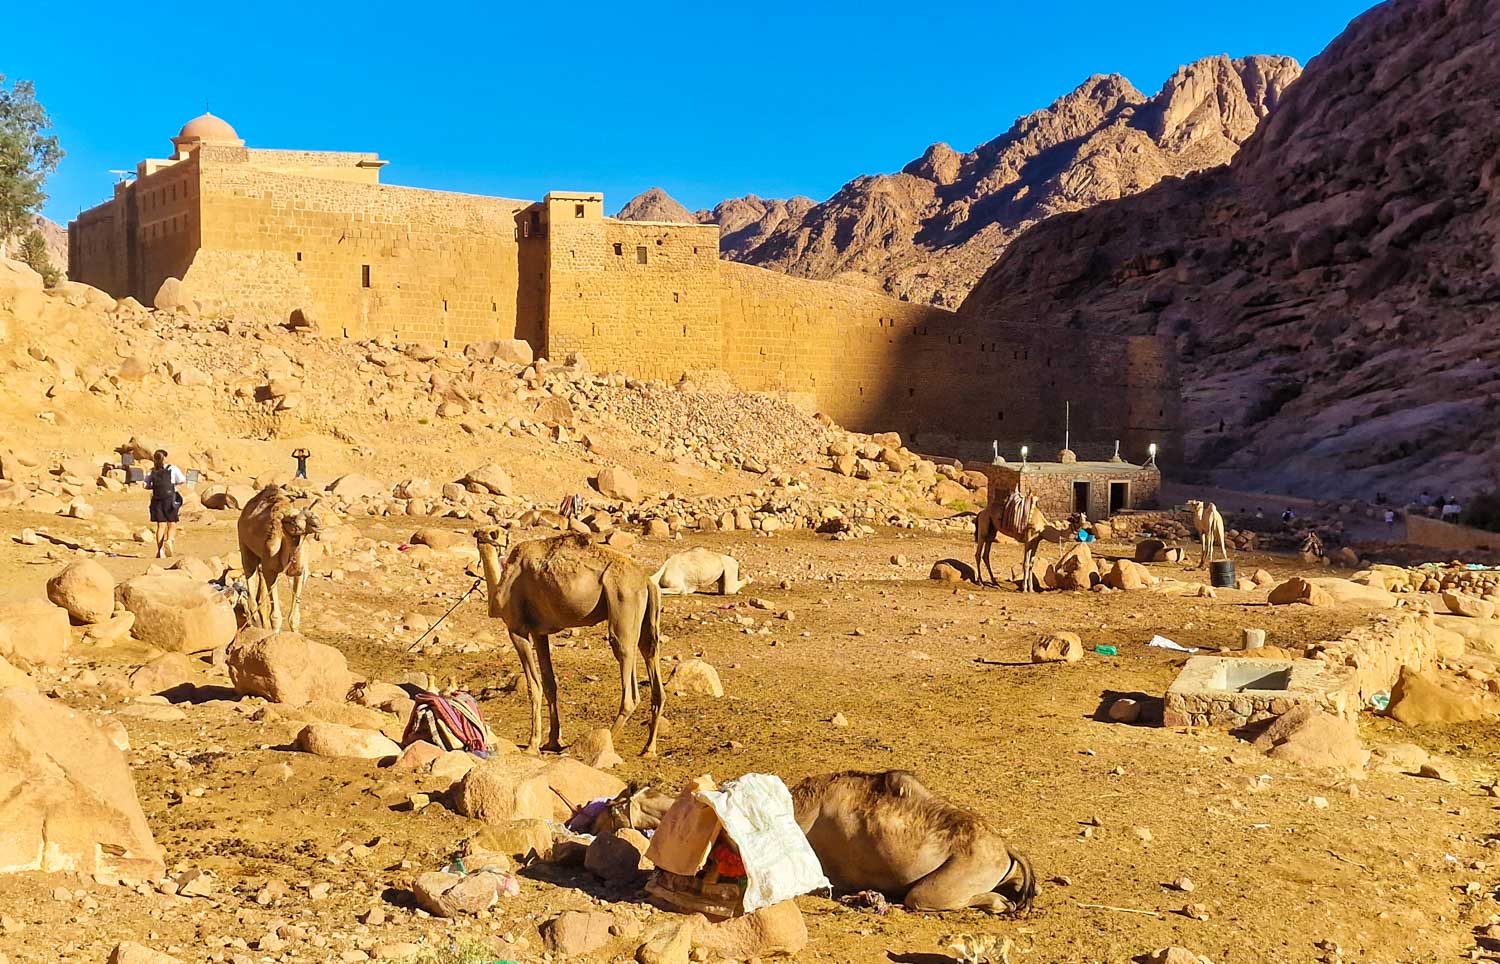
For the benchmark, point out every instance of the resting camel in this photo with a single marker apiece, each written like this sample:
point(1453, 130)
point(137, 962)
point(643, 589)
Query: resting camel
point(1020, 518)
point(699, 570)
point(887, 832)
point(548, 585)
point(273, 534)
point(1210, 524)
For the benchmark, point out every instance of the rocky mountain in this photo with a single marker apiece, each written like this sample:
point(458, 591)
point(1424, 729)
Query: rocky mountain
point(654, 204)
point(1333, 292)
point(928, 232)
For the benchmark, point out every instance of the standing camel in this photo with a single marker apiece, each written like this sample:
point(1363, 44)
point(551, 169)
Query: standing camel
point(1020, 518)
point(1210, 525)
point(273, 534)
point(548, 585)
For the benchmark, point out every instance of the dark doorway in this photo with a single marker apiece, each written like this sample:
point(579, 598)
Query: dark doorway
point(1081, 497)
point(1119, 497)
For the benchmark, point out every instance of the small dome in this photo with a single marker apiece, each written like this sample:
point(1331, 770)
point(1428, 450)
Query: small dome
point(1066, 455)
point(207, 127)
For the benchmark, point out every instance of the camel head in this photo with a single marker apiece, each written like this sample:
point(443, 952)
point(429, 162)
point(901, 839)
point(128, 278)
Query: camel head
point(1195, 506)
point(301, 524)
point(492, 537)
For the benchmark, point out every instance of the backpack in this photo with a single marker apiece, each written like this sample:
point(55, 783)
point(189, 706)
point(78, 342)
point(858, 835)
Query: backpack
point(163, 489)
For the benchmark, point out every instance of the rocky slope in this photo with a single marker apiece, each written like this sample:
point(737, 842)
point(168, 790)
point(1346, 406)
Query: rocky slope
point(1333, 291)
point(56, 237)
point(928, 232)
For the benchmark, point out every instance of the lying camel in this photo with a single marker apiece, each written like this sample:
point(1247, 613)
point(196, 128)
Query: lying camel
point(272, 533)
point(699, 570)
point(1210, 525)
point(887, 832)
point(548, 585)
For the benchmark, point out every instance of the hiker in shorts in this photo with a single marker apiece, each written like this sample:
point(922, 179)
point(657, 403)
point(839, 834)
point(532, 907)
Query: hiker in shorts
point(301, 455)
point(166, 503)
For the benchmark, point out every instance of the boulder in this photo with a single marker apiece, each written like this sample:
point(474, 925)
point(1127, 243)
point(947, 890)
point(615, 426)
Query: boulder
point(618, 857)
point(597, 749)
point(85, 589)
point(438, 539)
point(165, 672)
point(518, 839)
point(696, 678)
point(1075, 570)
point(11, 676)
point(1311, 737)
point(449, 895)
point(1263, 579)
point(490, 478)
point(554, 411)
point(1460, 604)
point(516, 787)
point(767, 932)
point(129, 952)
point(286, 668)
point(452, 767)
point(176, 613)
point(577, 932)
point(334, 739)
point(1057, 648)
point(1480, 636)
point(355, 486)
point(172, 295)
point(1348, 594)
point(669, 942)
point(1299, 590)
point(35, 633)
point(951, 570)
point(616, 482)
point(506, 351)
point(67, 802)
point(1417, 699)
point(1125, 574)
point(1149, 550)
point(1125, 710)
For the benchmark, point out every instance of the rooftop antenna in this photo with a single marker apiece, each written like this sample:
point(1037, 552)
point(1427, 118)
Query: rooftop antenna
point(1067, 424)
point(122, 175)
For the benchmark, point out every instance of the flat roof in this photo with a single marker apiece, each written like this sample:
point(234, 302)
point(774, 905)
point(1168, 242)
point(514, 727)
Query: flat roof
point(1065, 468)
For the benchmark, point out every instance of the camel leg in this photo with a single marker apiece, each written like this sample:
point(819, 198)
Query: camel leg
point(963, 881)
point(1028, 561)
point(527, 656)
point(649, 644)
point(274, 591)
point(296, 614)
point(625, 615)
point(549, 687)
point(250, 567)
point(978, 550)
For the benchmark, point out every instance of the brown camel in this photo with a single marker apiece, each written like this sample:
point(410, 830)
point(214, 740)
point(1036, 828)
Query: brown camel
point(1020, 518)
point(887, 832)
point(273, 533)
point(567, 581)
point(1210, 526)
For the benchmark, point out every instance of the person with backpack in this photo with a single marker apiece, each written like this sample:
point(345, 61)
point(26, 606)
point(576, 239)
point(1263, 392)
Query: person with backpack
point(166, 502)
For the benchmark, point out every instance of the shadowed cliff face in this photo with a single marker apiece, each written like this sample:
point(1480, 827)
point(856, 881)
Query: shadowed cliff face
point(928, 232)
point(1333, 292)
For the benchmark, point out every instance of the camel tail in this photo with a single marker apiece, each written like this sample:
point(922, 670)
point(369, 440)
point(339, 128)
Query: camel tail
point(1019, 884)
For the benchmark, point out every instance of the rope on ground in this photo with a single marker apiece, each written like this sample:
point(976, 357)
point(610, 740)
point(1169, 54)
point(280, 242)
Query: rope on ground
point(466, 595)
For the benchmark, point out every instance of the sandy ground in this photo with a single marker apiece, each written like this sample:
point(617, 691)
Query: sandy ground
point(1292, 865)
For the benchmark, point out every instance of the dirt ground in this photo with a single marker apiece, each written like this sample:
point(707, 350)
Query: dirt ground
point(1292, 865)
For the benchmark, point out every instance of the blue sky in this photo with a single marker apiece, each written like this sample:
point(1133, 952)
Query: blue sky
point(708, 100)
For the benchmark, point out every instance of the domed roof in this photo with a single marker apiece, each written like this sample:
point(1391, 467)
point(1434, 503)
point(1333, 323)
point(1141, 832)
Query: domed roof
point(207, 127)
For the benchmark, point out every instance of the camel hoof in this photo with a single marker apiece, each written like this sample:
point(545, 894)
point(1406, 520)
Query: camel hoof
point(552, 747)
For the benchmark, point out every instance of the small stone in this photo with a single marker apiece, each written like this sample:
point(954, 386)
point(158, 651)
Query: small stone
point(1184, 884)
point(1438, 771)
point(1142, 833)
point(839, 720)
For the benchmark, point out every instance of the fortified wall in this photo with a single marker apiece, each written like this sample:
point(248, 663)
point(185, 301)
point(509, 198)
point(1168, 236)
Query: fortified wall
point(268, 232)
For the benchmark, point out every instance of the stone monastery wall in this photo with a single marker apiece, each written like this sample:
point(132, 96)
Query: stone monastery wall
point(267, 232)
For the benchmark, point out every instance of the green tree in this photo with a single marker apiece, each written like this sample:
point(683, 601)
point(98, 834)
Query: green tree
point(27, 155)
point(34, 254)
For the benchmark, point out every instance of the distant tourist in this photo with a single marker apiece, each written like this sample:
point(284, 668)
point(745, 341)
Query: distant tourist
point(1260, 513)
point(1451, 510)
point(1288, 515)
point(165, 501)
point(301, 455)
point(1390, 517)
point(1425, 499)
